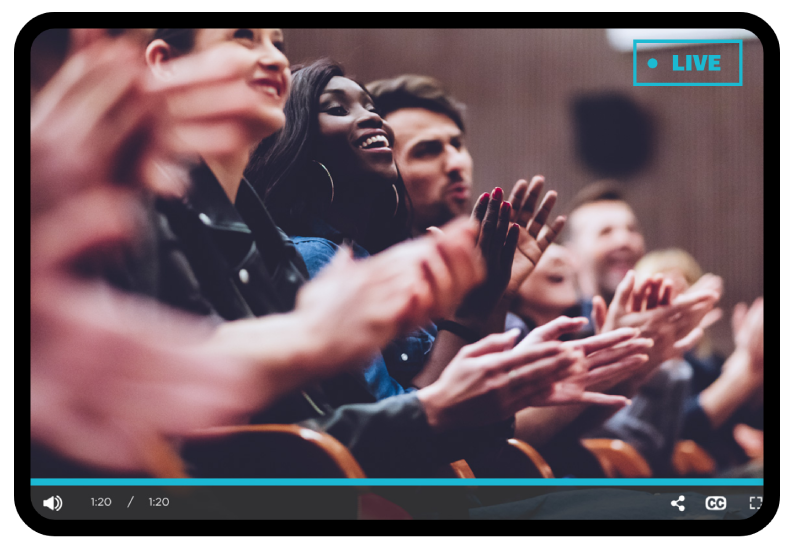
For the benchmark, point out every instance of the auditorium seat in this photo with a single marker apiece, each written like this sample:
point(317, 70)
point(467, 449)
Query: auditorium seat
point(689, 459)
point(618, 459)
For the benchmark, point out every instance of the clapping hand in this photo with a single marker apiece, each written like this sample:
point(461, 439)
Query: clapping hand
point(535, 233)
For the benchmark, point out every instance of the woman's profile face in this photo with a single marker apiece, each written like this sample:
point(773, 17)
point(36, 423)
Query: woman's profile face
point(258, 53)
point(354, 141)
point(552, 284)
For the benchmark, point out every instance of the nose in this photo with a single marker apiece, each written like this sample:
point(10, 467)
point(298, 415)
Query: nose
point(272, 59)
point(370, 120)
point(623, 237)
point(456, 160)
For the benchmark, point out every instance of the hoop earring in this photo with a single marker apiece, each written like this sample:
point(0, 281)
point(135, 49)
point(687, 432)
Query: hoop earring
point(397, 200)
point(329, 178)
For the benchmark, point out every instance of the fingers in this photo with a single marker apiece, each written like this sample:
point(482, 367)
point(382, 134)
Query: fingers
point(709, 282)
point(548, 234)
point(560, 326)
point(666, 294)
point(439, 278)
point(509, 248)
point(495, 343)
point(593, 398)
point(458, 263)
point(711, 318)
point(638, 295)
point(690, 341)
point(87, 222)
point(738, 317)
point(532, 377)
point(540, 219)
point(489, 222)
point(615, 372)
point(519, 358)
point(479, 211)
point(460, 236)
point(623, 294)
point(518, 198)
point(530, 200)
point(599, 312)
point(653, 294)
point(604, 340)
point(500, 233)
point(613, 353)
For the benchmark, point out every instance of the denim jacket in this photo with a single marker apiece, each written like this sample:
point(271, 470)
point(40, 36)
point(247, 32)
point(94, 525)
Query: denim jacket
point(391, 372)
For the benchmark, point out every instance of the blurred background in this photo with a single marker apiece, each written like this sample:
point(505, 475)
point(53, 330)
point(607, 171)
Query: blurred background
point(561, 103)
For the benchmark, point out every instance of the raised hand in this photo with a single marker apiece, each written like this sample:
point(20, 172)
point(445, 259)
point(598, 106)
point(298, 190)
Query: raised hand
point(535, 234)
point(487, 382)
point(673, 324)
point(612, 357)
point(552, 330)
point(89, 122)
point(496, 244)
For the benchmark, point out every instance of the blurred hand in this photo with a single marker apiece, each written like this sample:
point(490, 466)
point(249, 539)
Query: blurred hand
point(91, 123)
point(104, 118)
point(359, 306)
point(748, 327)
point(750, 440)
point(611, 357)
point(488, 381)
point(112, 375)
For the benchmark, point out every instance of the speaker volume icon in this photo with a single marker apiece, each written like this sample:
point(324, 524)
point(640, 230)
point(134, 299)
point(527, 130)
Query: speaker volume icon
point(53, 503)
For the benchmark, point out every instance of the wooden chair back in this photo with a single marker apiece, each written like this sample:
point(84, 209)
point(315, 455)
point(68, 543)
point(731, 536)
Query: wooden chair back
point(270, 451)
point(618, 459)
point(458, 469)
point(689, 459)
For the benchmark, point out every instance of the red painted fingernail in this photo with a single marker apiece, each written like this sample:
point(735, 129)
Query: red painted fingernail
point(484, 197)
point(497, 194)
point(505, 206)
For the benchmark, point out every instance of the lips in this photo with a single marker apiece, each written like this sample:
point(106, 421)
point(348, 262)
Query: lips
point(269, 86)
point(458, 190)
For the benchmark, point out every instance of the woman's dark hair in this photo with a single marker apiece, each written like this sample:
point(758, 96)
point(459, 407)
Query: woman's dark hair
point(180, 40)
point(284, 174)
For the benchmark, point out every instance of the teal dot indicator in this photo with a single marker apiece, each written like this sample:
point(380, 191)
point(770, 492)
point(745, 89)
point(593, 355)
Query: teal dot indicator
point(652, 62)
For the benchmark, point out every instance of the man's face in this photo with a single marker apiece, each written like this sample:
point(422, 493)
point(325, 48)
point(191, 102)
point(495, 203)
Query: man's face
point(606, 242)
point(435, 164)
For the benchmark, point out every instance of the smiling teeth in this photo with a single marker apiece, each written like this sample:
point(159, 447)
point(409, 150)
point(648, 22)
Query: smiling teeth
point(374, 139)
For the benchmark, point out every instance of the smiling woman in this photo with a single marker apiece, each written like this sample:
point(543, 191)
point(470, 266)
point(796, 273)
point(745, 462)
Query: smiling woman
point(330, 179)
point(333, 163)
point(257, 97)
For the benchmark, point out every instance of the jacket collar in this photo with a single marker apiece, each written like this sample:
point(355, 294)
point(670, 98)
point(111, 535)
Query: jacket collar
point(208, 198)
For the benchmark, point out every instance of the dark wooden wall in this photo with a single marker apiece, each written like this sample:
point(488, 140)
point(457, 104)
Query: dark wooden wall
point(702, 190)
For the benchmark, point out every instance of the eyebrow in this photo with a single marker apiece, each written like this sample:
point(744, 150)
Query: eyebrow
point(342, 92)
point(432, 140)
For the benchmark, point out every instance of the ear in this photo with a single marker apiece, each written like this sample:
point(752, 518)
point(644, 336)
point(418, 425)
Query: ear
point(158, 53)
